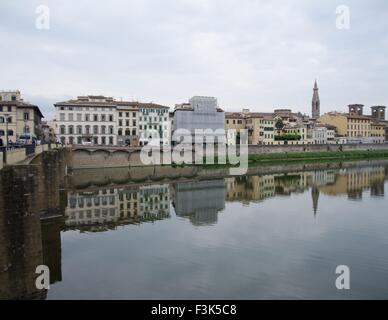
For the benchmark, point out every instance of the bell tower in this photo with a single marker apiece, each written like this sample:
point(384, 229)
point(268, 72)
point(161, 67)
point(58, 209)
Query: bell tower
point(316, 103)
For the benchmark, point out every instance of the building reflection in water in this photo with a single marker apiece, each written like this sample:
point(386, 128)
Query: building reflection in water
point(106, 208)
point(350, 182)
point(34, 210)
point(199, 201)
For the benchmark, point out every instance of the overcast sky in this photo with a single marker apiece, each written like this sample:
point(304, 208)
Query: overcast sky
point(257, 54)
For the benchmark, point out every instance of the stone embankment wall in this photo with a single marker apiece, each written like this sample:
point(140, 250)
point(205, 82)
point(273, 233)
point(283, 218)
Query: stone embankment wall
point(114, 157)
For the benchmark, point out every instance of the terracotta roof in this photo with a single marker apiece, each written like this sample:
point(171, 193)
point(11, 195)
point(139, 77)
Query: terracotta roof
point(264, 115)
point(110, 104)
point(356, 116)
point(22, 104)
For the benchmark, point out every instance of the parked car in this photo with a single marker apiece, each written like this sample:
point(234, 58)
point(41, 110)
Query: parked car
point(27, 139)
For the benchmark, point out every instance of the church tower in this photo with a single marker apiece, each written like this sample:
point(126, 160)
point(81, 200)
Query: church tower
point(316, 104)
point(315, 195)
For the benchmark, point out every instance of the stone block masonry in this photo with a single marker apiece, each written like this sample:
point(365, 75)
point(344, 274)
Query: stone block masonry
point(15, 156)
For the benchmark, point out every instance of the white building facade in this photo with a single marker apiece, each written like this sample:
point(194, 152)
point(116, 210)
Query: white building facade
point(320, 135)
point(154, 125)
point(89, 119)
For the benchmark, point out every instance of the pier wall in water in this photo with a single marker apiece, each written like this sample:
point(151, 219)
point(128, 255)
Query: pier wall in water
point(31, 215)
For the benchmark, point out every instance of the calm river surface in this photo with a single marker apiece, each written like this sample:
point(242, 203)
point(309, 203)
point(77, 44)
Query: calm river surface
point(275, 236)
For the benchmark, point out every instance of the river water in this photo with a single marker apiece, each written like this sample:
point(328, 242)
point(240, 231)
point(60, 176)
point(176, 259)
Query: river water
point(272, 236)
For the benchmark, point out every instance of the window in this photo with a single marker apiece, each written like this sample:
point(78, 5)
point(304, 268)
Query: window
point(87, 129)
point(95, 129)
point(9, 108)
point(1, 133)
point(127, 123)
point(134, 114)
point(79, 140)
point(127, 114)
point(79, 129)
point(120, 123)
point(111, 130)
point(120, 114)
point(71, 130)
point(110, 140)
point(26, 116)
point(103, 140)
point(62, 117)
point(120, 132)
point(10, 133)
point(87, 117)
point(62, 130)
point(103, 130)
point(79, 117)
point(103, 117)
point(71, 117)
point(110, 117)
point(95, 117)
point(134, 123)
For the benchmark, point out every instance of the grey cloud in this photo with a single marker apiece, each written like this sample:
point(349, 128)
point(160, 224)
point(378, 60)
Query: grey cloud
point(257, 54)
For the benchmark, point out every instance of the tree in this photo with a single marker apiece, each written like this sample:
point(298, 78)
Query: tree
point(279, 125)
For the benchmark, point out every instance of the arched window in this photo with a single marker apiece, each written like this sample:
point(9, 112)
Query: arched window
point(111, 140)
point(111, 130)
point(79, 129)
point(95, 129)
point(120, 132)
point(127, 132)
point(103, 129)
point(79, 140)
point(71, 140)
point(63, 130)
point(71, 129)
point(87, 129)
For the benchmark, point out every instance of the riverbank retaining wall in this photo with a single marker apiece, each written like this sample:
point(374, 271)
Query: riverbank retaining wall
point(106, 157)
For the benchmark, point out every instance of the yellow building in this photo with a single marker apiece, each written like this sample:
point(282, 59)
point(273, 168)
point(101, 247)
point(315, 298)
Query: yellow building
point(377, 132)
point(348, 125)
point(18, 117)
point(234, 123)
point(356, 126)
